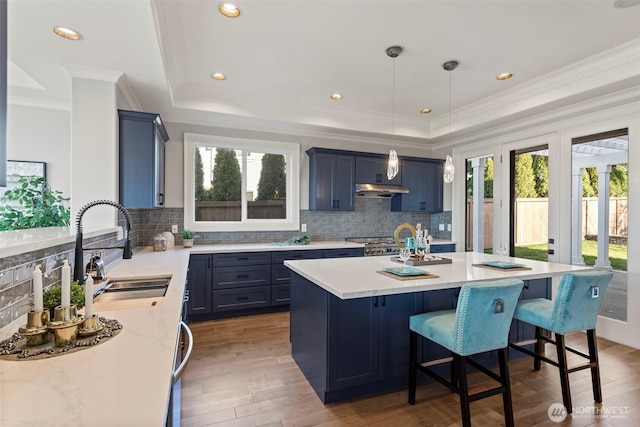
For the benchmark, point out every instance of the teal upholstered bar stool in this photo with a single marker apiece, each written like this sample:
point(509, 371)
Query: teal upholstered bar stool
point(575, 309)
point(480, 323)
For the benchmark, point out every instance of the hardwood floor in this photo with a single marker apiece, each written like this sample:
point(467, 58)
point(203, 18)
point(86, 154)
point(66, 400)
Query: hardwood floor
point(241, 374)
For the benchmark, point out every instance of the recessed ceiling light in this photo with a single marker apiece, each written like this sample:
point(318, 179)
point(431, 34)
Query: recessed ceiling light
point(67, 33)
point(425, 111)
point(504, 76)
point(623, 4)
point(336, 96)
point(230, 10)
point(218, 76)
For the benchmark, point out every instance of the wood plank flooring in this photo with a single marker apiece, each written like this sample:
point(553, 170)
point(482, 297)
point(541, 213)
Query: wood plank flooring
point(241, 374)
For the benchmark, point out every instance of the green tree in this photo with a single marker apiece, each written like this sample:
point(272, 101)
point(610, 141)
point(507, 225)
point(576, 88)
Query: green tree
point(524, 179)
point(590, 182)
point(541, 175)
point(619, 180)
point(199, 176)
point(488, 178)
point(273, 179)
point(39, 206)
point(227, 178)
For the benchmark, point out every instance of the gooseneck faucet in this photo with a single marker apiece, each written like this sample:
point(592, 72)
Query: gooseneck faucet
point(78, 273)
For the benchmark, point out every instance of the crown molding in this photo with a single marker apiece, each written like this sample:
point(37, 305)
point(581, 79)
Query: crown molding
point(83, 72)
point(128, 94)
point(556, 116)
point(621, 63)
point(39, 103)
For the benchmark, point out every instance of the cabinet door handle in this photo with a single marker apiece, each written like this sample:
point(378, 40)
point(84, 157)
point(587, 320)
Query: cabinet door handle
point(375, 303)
point(338, 204)
point(384, 300)
point(241, 298)
point(160, 199)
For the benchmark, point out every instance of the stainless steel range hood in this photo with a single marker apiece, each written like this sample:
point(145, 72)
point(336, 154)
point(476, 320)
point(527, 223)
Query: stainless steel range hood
point(380, 190)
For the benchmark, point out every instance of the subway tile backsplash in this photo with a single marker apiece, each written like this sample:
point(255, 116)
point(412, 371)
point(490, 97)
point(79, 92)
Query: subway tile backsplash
point(371, 218)
point(16, 284)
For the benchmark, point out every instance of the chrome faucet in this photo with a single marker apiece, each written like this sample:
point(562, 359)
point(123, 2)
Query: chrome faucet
point(78, 273)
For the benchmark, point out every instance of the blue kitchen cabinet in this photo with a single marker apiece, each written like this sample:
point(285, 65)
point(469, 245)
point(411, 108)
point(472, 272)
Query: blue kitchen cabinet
point(381, 352)
point(199, 285)
point(423, 178)
point(331, 181)
point(373, 170)
point(447, 247)
point(141, 159)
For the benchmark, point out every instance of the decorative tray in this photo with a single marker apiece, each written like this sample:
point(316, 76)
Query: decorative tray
point(502, 264)
point(406, 271)
point(413, 261)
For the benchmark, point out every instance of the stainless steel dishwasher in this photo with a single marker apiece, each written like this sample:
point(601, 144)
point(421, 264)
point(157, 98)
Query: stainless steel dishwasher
point(183, 353)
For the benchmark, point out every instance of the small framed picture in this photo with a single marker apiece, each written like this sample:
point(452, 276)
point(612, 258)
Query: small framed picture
point(19, 168)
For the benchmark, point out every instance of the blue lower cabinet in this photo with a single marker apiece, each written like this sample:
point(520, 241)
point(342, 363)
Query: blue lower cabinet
point(242, 283)
point(280, 294)
point(244, 298)
point(369, 339)
point(436, 249)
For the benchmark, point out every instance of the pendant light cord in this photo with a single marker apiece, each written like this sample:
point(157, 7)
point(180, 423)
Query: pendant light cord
point(393, 100)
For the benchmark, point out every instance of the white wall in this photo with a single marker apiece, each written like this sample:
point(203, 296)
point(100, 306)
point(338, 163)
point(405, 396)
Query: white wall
point(42, 135)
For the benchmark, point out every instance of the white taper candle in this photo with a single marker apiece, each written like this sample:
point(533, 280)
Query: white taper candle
point(88, 297)
point(37, 289)
point(66, 285)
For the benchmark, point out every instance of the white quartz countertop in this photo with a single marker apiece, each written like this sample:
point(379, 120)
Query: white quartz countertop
point(349, 278)
point(124, 381)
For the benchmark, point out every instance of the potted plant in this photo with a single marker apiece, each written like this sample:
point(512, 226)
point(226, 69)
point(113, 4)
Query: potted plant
point(52, 296)
point(187, 238)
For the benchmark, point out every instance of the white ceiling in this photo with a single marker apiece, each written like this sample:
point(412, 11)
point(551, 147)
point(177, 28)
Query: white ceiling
point(284, 59)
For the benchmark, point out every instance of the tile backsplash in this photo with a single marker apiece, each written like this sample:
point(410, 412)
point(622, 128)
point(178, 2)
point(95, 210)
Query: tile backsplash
point(371, 218)
point(16, 284)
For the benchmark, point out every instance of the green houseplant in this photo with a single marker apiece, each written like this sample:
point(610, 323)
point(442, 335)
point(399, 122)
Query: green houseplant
point(187, 238)
point(39, 206)
point(52, 296)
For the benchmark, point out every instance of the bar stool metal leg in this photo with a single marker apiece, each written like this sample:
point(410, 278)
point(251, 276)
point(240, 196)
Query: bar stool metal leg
point(413, 366)
point(503, 359)
point(595, 365)
point(461, 373)
point(539, 348)
point(564, 372)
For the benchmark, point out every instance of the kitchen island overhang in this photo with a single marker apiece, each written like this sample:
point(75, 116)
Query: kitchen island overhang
point(349, 324)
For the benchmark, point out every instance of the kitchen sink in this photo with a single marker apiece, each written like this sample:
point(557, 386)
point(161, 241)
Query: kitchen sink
point(133, 289)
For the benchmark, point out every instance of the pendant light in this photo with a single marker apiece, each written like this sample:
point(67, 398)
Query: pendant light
point(449, 170)
point(393, 166)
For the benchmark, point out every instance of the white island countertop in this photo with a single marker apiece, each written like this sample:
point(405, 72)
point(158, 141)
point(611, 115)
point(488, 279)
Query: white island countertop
point(124, 381)
point(349, 278)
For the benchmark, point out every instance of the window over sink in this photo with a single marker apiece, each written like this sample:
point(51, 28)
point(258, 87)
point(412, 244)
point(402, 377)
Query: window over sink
point(236, 184)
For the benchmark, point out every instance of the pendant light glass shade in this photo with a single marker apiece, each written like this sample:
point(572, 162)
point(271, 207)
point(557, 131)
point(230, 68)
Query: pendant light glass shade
point(393, 166)
point(449, 170)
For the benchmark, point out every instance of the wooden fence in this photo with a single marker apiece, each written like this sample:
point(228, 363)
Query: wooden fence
point(532, 219)
point(231, 211)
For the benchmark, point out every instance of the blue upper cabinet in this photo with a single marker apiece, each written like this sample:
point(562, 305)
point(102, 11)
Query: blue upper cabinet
point(424, 180)
point(373, 170)
point(141, 143)
point(331, 180)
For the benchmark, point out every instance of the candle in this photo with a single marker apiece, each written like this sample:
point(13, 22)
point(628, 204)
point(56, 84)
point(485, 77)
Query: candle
point(88, 297)
point(66, 285)
point(37, 289)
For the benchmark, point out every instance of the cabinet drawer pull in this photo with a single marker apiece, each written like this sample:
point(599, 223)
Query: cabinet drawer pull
point(241, 298)
point(243, 258)
point(242, 276)
point(297, 256)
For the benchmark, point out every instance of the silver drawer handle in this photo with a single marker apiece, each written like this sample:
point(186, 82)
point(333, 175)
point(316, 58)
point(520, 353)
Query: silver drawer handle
point(178, 372)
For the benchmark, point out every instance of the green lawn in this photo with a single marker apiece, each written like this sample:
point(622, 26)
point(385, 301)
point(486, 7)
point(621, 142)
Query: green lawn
point(617, 253)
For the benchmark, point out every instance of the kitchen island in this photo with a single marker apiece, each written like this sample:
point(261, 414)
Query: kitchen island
point(350, 324)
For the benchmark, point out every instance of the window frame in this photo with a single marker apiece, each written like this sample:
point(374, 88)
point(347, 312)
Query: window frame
point(290, 150)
